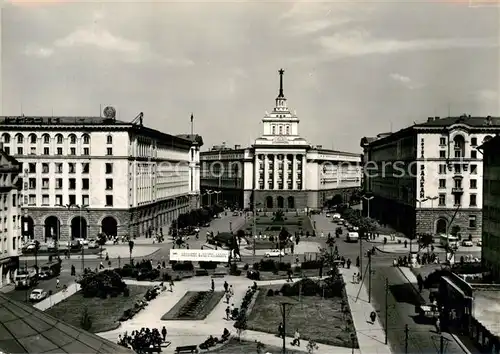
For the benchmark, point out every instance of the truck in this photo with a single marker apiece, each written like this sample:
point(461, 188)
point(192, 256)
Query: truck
point(26, 278)
point(49, 270)
point(352, 237)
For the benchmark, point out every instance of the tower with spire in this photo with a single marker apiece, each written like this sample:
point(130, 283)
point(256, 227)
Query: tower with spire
point(281, 127)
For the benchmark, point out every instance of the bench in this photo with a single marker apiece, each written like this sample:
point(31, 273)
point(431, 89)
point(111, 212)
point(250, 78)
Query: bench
point(187, 349)
point(165, 344)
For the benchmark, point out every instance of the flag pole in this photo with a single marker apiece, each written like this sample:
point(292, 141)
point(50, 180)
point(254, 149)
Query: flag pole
point(192, 124)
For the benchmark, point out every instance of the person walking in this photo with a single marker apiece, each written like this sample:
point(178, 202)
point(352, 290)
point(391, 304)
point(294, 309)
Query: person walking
point(171, 284)
point(296, 338)
point(226, 286)
point(231, 290)
point(212, 285)
point(228, 297)
point(228, 311)
point(164, 333)
point(57, 283)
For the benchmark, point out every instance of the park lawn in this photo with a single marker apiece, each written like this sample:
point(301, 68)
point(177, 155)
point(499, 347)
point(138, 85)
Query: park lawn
point(104, 313)
point(214, 300)
point(233, 346)
point(307, 273)
point(317, 319)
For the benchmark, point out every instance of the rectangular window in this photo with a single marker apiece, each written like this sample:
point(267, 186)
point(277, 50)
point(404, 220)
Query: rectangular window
point(109, 184)
point(457, 168)
point(442, 154)
point(59, 199)
point(46, 151)
point(59, 183)
point(32, 199)
point(85, 167)
point(59, 168)
point(72, 183)
point(72, 167)
point(442, 169)
point(45, 168)
point(109, 168)
point(458, 183)
point(442, 141)
point(473, 184)
point(33, 150)
point(85, 183)
point(109, 151)
point(442, 200)
point(473, 201)
point(32, 183)
point(458, 154)
point(442, 183)
point(45, 199)
point(109, 200)
point(72, 199)
point(472, 221)
point(45, 183)
point(86, 151)
point(473, 154)
point(19, 150)
point(72, 151)
point(59, 151)
point(14, 200)
point(85, 199)
point(32, 167)
point(458, 200)
point(473, 169)
point(473, 141)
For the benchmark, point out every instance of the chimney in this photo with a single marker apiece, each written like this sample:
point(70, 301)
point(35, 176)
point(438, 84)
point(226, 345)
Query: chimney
point(237, 146)
point(430, 119)
point(436, 118)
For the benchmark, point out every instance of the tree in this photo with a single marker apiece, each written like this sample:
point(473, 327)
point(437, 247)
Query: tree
point(130, 248)
point(279, 216)
point(242, 325)
point(101, 241)
point(311, 346)
point(337, 199)
point(86, 320)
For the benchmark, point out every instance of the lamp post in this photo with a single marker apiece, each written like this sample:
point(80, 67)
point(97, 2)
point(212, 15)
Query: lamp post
point(254, 222)
point(82, 208)
point(368, 203)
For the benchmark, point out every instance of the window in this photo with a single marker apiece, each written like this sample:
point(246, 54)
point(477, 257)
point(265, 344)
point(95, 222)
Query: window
point(7, 150)
point(458, 183)
point(45, 168)
point(280, 129)
point(32, 167)
point(85, 199)
point(458, 154)
point(287, 130)
point(473, 184)
point(442, 154)
point(33, 150)
point(109, 184)
point(109, 139)
point(72, 199)
point(32, 183)
point(85, 167)
point(473, 169)
point(59, 167)
point(72, 151)
point(46, 139)
point(442, 200)
point(109, 151)
point(109, 168)
point(458, 200)
point(59, 183)
point(473, 200)
point(72, 167)
point(32, 139)
point(59, 139)
point(14, 200)
point(45, 183)
point(19, 150)
point(442, 169)
point(46, 151)
point(442, 183)
point(86, 139)
point(273, 128)
point(59, 151)
point(442, 141)
point(20, 139)
point(473, 141)
point(59, 199)
point(32, 199)
point(85, 183)
point(457, 168)
point(45, 199)
point(472, 221)
point(473, 154)
point(86, 151)
point(72, 183)
point(6, 139)
point(109, 200)
point(72, 139)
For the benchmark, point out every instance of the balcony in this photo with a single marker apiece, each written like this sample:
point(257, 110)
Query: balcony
point(457, 190)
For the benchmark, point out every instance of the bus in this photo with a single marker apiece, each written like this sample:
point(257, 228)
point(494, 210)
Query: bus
point(26, 278)
point(448, 241)
point(352, 237)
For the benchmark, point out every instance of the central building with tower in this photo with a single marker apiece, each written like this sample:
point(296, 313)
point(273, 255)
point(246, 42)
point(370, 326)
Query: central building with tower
point(281, 170)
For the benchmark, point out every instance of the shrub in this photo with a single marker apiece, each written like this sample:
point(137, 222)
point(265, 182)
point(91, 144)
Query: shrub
point(201, 272)
point(256, 266)
point(311, 264)
point(297, 269)
point(276, 292)
point(245, 267)
point(253, 274)
point(166, 277)
point(306, 287)
point(234, 270)
point(270, 292)
point(286, 290)
point(101, 284)
point(184, 266)
point(126, 292)
point(267, 265)
point(284, 266)
point(208, 265)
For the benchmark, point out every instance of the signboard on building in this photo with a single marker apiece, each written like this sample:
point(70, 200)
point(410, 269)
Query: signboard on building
point(181, 255)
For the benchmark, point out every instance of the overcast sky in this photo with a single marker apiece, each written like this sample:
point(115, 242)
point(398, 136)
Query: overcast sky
point(352, 69)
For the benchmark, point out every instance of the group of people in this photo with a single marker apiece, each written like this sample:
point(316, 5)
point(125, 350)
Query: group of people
point(426, 258)
point(296, 335)
point(145, 338)
point(231, 311)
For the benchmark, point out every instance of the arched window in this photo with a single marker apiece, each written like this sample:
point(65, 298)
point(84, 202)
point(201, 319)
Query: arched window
point(20, 138)
point(86, 139)
point(32, 138)
point(281, 130)
point(109, 139)
point(72, 139)
point(6, 138)
point(59, 139)
point(273, 130)
point(287, 130)
point(46, 138)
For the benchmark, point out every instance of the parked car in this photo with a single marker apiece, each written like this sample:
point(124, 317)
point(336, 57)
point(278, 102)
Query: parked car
point(51, 246)
point(479, 243)
point(236, 213)
point(83, 241)
point(328, 215)
point(75, 245)
point(467, 243)
point(93, 244)
point(275, 253)
point(38, 295)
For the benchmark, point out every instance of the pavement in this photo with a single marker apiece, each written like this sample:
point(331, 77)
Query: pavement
point(302, 248)
point(57, 297)
point(400, 248)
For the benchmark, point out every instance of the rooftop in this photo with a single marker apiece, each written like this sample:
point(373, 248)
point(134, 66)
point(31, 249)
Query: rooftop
point(25, 329)
point(78, 120)
point(486, 310)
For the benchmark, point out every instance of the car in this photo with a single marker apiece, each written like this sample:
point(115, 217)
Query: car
point(275, 253)
point(236, 213)
point(83, 241)
point(328, 215)
point(93, 244)
point(28, 247)
point(75, 245)
point(206, 224)
point(196, 229)
point(336, 216)
point(38, 295)
point(467, 243)
point(479, 243)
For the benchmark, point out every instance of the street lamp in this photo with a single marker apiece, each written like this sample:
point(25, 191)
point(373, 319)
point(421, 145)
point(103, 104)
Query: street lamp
point(368, 203)
point(254, 222)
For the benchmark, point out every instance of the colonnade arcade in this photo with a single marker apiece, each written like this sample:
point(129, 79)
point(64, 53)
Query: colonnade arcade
point(279, 171)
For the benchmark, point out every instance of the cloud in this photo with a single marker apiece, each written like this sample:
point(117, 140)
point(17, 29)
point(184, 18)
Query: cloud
point(360, 42)
point(34, 50)
point(401, 78)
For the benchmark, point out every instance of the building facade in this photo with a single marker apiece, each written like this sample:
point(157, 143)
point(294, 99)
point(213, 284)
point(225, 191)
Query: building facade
point(281, 170)
point(87, 175)
point(10, 219)
point(491, 206)
point(428, 178)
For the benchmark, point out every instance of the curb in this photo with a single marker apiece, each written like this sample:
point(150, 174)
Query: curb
point(378, 248)
point(460, 344)
point(412, 285)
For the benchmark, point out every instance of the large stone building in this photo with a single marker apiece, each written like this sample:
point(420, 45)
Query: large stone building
point(281, 170)
point(10, 219)
point(491, 206)
point(86, 175)
point(427, 178)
